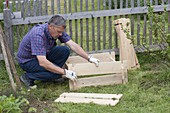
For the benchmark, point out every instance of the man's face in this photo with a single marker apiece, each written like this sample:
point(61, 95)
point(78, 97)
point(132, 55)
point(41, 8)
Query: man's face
point(56, 31)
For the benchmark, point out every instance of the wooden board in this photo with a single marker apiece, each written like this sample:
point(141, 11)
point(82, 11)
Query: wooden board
point(103, 57)
point(87, 100)
point(83, 69)
point(96, 81)
point(127, 51)
point(91, 95)
point(101, 99)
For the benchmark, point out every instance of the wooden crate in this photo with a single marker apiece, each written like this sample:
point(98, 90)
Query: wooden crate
point(108, 72)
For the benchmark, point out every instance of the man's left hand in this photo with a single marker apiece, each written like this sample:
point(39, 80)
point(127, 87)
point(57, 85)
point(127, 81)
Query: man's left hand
point(93, 60)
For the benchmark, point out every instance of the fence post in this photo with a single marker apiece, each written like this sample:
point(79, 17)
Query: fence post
point(168, 17)
point(8, 29)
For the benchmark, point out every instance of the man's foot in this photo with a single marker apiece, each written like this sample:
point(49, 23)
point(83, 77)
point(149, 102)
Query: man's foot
point(28, 83)
point(60, 80)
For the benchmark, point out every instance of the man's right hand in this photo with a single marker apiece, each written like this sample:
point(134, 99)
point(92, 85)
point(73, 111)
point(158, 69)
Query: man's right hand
point(70, 75)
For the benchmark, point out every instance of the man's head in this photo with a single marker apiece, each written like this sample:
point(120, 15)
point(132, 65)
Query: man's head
point(56, 25)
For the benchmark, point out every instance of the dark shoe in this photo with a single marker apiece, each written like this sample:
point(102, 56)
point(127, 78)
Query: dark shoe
point(28, 83)
point(60, 80)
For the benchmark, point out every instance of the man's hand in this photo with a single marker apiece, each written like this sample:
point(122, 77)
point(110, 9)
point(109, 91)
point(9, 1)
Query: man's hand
point(93, 60)
point(70, 75)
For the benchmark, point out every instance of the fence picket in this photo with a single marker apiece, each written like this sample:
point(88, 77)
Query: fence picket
point(93, 31)
point(76, 25)
point(98, 28)
point(104, 26)
point(110, 27)
point(46, 7)
point(150, 31)
point(138, 25)
point(115, 37)
point(145, 26)
point(81, 24)
point(87, 29)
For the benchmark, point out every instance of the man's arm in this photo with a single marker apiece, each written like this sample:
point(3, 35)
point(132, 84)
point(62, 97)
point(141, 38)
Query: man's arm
point(52, 68)
point(49, 65)
point(77, 49)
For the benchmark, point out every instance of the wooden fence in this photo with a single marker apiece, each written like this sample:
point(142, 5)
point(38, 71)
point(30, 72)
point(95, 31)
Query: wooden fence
point(89, 22)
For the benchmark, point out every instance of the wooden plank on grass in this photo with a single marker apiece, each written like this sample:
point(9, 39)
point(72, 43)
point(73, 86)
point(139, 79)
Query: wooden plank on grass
point(96, 81)
point(86, 100)
point(103, 57)
point(91, 95)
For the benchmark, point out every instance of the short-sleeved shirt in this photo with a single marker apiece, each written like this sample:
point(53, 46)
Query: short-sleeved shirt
point(38, 41)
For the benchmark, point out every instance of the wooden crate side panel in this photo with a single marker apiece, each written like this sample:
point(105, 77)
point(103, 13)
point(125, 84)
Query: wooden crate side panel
point(96, 81)
point(91, 95)
point(103, 57)
point(91, 69)
point(86, 100)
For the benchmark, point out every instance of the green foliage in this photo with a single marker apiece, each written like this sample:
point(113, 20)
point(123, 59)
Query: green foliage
point(159, 33)
point(11, 104)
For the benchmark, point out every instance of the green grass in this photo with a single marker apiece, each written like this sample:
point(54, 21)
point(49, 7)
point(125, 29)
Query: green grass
point(148, 91)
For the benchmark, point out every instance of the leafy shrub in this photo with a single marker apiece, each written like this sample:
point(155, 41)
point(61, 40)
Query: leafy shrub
point(11, 104)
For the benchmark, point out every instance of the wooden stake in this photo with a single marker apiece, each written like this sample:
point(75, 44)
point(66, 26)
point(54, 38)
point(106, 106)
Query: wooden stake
point(7, 63)
point(10, 59)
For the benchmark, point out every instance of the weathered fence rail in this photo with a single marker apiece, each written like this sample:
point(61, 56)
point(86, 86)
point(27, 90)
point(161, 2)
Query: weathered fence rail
point(89, 21)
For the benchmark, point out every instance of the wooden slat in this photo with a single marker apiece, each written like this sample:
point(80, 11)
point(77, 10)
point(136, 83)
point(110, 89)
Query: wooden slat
point(91, 95)
point(17, 15)
point(156, 2)
point(168, 17)
point(104, 27)
point(96, 81)
point(7, 64)
point(115, 34)
point(81, 24)
point(83, 69)
point(103, 57)
point(10, 60)
point(138, 25)
point(29, 9)
point(34, 8)
point(93, 31)
point(110, 26)
point(83, 100)
point(98, 29)
point(4, 4)
point(121, 7)
point(39, 7)
point(150, 30)
point(87, 29)
point(8, 29)
point(127, 5)
point(52, 6)
point(58, 7)
point(132, 19)
point(65, 6)
point(70, 21)
point(46, 7)
point(90, 14)
point(76, 24)
point(145, 25)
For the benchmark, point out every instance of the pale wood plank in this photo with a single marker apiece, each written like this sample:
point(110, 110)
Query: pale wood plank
point(103, 57)
point(96, 81)
point(90, 69)
point(83, 100)
point(91, 95)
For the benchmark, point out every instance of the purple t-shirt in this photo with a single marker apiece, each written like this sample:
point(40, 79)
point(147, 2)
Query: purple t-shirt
point(38, 41)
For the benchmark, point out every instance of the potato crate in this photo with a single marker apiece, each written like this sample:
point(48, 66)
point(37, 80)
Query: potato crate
point(108, 72)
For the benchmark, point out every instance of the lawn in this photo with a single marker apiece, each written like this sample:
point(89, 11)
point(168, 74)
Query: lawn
point(148, 91)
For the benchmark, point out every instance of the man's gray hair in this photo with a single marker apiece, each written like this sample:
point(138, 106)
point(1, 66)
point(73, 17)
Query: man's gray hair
point(57, 20)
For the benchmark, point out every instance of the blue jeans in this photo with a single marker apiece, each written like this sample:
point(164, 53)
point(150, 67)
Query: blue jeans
point(58, 56)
